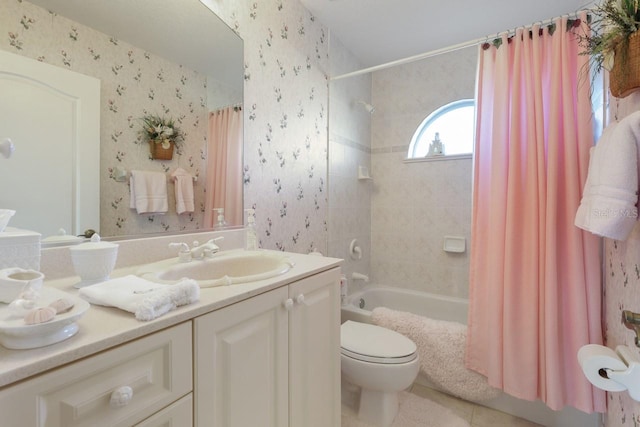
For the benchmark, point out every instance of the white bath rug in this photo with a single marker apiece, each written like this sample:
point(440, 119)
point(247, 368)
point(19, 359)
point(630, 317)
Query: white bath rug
point(415, 411)
point(441, 346)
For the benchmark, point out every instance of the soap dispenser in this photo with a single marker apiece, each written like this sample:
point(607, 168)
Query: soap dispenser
point(221, 223)
point(251, 237)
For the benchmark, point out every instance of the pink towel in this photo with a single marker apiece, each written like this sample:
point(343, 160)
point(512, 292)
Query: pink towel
point(184, 191)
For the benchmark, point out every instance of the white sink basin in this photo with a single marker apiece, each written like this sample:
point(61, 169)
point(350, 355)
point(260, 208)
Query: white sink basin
point(225, 268)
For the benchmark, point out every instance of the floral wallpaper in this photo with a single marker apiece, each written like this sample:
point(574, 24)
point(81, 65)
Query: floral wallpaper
point(133, 83)
point(621, 292)
point(285, 113)
point(286, 93)
point(622, 278)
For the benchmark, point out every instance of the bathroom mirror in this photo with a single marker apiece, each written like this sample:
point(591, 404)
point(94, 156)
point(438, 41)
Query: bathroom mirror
point(135, 49)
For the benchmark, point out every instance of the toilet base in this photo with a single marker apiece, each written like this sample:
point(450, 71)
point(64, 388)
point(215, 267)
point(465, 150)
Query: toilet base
point(377, 407)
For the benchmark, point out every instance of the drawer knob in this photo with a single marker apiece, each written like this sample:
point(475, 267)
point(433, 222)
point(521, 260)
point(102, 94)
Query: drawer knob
point(300, 299)
point(288, 303)
point(121, 396)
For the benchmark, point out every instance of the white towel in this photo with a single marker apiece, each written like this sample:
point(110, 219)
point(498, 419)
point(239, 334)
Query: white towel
point(608, 206)
point(146, 299)
point(184, 191)
point(148, 192)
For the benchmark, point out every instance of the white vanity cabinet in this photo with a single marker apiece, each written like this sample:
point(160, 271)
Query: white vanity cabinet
point(147, 381)
point(263, 354)
point(179, 414)
point(272, 360)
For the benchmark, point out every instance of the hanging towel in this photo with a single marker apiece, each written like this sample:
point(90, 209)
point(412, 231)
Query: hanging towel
point(608, 206)
point(184, 191)
point(148, 192)
point(441, 347)
point(146, 299)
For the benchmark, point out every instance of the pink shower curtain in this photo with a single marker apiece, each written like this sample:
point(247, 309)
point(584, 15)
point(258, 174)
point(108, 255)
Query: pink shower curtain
point(535, 289)
point(224, 166)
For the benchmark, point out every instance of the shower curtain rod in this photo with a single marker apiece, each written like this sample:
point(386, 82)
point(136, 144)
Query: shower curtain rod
point(236, 107)
point(453, 47)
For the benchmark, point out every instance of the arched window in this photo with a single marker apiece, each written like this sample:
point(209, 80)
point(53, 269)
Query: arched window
point(447, 131)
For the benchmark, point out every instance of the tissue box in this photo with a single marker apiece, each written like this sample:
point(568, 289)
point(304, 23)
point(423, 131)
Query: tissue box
point(20, 248)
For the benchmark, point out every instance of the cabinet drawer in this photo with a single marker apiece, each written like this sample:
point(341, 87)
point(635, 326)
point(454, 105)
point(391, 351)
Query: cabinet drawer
point(156, 369)
point(179, 414)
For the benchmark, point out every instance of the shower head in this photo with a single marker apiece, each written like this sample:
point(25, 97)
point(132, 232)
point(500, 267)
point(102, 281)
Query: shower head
point(367, 107)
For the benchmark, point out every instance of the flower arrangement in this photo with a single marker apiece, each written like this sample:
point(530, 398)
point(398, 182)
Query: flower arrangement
point(162, 131)
point(613, 22)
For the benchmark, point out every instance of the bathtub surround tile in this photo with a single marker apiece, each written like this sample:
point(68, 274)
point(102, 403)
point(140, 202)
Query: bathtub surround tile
point(349, 199)
point(420, 216)
point(436, 196)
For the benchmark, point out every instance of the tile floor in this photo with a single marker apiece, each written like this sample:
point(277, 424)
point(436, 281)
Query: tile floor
point(475, 415)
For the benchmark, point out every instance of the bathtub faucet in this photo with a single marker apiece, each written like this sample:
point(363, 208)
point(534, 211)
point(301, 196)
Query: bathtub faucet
point(360, 276)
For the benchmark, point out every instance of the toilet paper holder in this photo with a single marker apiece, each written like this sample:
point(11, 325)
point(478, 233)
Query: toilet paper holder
point(632, 321)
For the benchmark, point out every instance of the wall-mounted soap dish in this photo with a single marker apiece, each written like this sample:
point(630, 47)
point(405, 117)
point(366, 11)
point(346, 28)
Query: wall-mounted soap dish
point(363, 173)
point(455, 244)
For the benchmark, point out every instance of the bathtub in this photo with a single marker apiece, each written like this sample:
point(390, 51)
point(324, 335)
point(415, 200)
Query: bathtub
point(358, 306)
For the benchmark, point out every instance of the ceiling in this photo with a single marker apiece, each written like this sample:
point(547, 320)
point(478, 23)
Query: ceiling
point(381, 31)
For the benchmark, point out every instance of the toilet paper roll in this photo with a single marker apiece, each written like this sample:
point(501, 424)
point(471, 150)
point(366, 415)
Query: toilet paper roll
point(594, 360)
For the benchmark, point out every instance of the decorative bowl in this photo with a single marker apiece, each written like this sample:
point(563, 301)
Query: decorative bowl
point(14, 281)
point(94, 261)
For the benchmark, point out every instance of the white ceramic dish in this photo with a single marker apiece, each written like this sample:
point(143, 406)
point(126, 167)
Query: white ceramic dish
point(16, 335)
point(93, 261)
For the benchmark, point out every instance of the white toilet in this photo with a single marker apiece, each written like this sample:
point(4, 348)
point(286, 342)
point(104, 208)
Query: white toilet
point(382, 363)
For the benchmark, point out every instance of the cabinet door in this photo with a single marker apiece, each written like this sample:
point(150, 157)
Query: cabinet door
point(241, 364)
point(314, 351)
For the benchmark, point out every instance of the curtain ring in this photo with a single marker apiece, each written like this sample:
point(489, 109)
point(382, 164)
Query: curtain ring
point(485, 45)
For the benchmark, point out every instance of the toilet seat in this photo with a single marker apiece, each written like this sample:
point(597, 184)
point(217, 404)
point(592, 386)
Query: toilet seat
point(375, 344)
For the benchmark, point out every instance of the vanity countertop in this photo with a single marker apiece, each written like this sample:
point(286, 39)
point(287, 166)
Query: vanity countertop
point(103, 327)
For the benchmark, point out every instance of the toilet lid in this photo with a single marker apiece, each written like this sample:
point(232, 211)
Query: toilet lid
point(375, 344)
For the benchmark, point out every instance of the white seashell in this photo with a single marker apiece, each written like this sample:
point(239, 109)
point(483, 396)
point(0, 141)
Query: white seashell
point(39, 315)
point(61, 305)
point(29, 294)
point(19, 307)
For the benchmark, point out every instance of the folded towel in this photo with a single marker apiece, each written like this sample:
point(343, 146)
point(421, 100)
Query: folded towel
point(441, 347)
point(608, 206)
point(148, 192)
point(146, 299)
point(184, 191)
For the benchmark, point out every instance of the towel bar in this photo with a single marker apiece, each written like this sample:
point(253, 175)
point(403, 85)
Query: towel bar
point(121, 175)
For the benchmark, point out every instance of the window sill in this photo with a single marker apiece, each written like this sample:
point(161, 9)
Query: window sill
point(438, 158)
